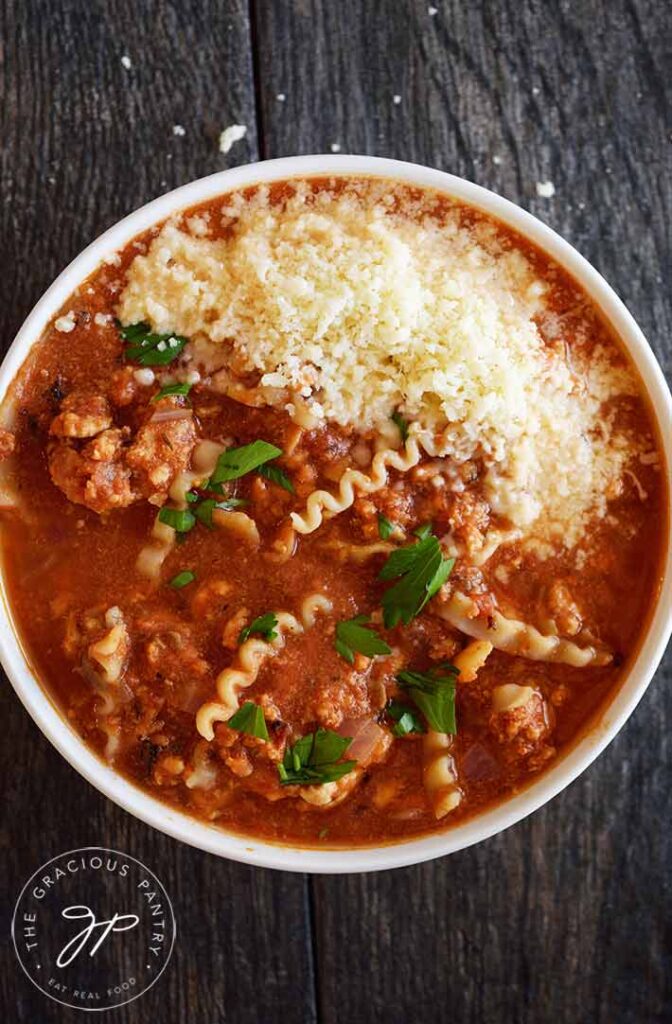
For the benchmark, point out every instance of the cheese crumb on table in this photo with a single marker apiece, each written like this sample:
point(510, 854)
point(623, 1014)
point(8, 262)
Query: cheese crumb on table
point(396, 99)
point(234, 133)
point(335, 147)
point(545, 189)
point(179, 130)
point(126, 62)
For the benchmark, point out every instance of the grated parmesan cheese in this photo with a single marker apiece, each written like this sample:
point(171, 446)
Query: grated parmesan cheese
point(545, 189)
point(65, 324)
point(363, 310)
point(234, 133)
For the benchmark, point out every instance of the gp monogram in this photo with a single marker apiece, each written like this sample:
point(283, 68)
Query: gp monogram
point(93, 928)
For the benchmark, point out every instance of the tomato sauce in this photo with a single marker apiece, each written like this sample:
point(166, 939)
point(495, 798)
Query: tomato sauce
point(67, 565)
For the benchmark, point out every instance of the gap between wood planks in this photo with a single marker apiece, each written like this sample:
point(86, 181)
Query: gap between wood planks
point(256, 81)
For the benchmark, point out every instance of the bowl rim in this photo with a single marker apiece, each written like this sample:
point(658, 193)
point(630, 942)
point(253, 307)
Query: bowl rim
point(264, 853)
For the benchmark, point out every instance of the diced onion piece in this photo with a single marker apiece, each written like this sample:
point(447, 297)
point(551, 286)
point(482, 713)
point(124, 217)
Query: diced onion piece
point(168, 415)
point(366, 735)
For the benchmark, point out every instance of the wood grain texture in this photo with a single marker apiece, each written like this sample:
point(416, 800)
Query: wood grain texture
point(565, 918)
point(85, 141)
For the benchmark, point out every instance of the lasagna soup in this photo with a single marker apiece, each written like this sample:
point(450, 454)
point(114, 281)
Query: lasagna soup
point(333, 511)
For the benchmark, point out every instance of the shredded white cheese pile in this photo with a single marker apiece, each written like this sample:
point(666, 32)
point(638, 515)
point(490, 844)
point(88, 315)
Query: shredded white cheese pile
point(363, 310)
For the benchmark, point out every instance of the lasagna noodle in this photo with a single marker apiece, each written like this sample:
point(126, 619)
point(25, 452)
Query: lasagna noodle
point(516, 637)
point(250, 656)
point(439, 771)
point(325, 505)
point(153, 555)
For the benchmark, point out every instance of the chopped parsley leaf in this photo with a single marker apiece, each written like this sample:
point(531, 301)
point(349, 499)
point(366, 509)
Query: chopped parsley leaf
point(434, 694)
point(276, 476)
point(314, 759)
point(422, 570)
point(265, 625)
point(354, 635)
point(172, 389)
point(147, 348)
point(385, 527)
point(402, 424)
point(183, 579)
point(181, 520)
point(236, 462)
point(249, 719)
point(406, 720)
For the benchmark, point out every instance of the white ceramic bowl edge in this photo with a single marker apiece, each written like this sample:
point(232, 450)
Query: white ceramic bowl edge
point(287, 857)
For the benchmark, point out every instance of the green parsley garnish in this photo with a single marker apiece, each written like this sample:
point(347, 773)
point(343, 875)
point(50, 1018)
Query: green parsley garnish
point(236, 462)
point(434, 693)
point(249, 719)
point(205, 508)
point(182, 579)
point(276, 476)
point(406, 721)
point(353, 635)
point(181, 520)
point(385, 527)
point(172, 389)
point(402, 424)
point(423, 532)
point(314, 759)
point(265, 625)
point(192, 497)
point(147, 348)
point(422, 569)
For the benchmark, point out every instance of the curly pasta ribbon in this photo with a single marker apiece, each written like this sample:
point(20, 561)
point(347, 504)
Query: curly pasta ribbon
point(153, 555)
point(358, 552)
point(517, 637)
point(284, 545)
point(325, 505)
point(250, 657)
point(439, 771)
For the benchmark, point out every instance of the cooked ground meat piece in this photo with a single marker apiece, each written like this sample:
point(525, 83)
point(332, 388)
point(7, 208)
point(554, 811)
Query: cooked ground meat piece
point(111, 470)
point(161, 450)
point(90, 478)
point(82, 415)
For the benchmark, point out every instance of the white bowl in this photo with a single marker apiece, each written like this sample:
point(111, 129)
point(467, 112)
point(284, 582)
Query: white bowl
point(505, 813)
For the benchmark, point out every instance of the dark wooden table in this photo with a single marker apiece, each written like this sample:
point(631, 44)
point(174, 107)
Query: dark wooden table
point(566, 917)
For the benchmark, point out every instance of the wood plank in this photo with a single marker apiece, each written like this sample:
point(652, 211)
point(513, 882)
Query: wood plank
point(563, 918)
point(85, 141)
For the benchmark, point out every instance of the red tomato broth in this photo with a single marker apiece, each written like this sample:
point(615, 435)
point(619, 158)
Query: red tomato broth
point(62, 559)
